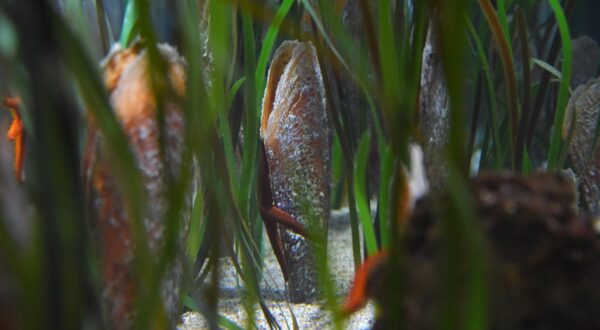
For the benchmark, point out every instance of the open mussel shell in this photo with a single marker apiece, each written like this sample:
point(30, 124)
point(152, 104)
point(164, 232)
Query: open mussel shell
point(296, 135)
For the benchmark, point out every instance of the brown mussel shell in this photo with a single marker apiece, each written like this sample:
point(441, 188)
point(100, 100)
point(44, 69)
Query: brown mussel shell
point(126, 76)
point(295, 132)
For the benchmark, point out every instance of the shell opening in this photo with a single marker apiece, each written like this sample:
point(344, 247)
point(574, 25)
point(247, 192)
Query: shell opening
point(281, 59)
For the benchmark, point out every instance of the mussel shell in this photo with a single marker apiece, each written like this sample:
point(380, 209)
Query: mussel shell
point(126, 77)
point(296, 135)
point(580, 125)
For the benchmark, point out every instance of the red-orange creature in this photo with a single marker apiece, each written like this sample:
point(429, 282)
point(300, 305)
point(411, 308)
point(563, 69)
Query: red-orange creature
point(370, 277)
point(16, 133)
point(363, 288)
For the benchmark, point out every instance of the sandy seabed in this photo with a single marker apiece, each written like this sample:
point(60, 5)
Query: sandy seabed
point(308, 316)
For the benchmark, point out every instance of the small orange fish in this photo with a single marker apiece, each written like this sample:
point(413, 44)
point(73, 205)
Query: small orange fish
point(16, 133)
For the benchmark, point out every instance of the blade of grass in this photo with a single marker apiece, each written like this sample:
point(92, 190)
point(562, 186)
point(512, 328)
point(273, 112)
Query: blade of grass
point(563, 94)
point(225, 199)
point(337, 173)
point(150, 308)
point(475, 116)
point(76, 16)
point(228, 324)
point(504, 22)
point(197, 229)
point(235, 36)
point(102, 26)
point(485, 149)
point(413, 63)
point(58, 244)
point(360, 78)
point(250, 124)
point(334, 115)
point(124, 167)
point(92, 90)
point(362, 198)
point(390, 69)
point(231, 214)
point(495, 121)
point(463, 260)
point(385, 184)
point(268, 42)
point(187, 16)
point(460, 207)
point(244, 192)
point(339, 130)
point(396, 105)
point(509, 72)
point(226, 136)
point(246, 195)
point(541, 95)
point(526, 166)
point(549, 68)
point(130, 18)
point(235, 89)
point(371, 37)
point(526, 105)
point(347, 153)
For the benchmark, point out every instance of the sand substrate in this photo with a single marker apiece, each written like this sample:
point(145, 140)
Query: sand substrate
point(308, 316)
